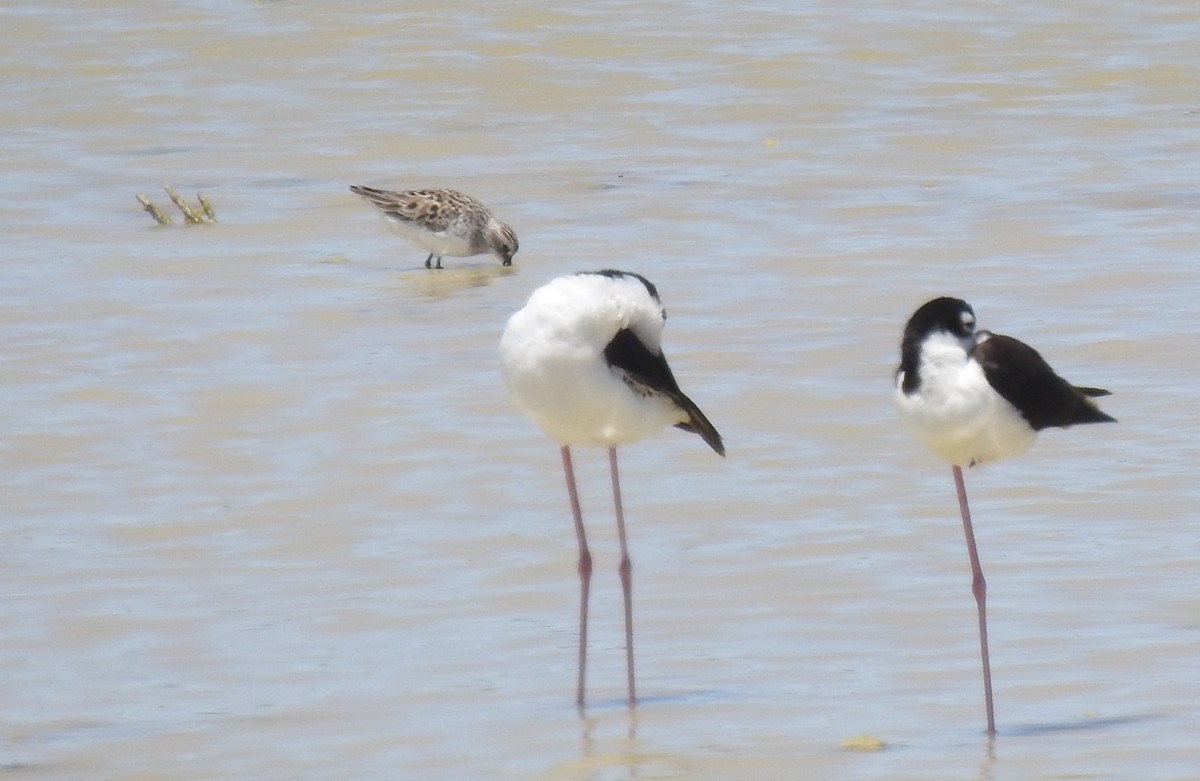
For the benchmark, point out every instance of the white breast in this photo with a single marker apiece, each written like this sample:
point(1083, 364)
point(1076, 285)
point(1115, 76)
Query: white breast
point(447, 244)
point(956, 413)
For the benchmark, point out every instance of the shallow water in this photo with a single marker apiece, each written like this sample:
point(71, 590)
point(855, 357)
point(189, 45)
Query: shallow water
point(268, 515)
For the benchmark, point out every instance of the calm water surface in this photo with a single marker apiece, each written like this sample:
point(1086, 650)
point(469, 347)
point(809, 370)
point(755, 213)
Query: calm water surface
point(266, 513)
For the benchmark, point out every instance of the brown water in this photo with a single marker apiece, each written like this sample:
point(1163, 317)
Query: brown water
point(266, 513)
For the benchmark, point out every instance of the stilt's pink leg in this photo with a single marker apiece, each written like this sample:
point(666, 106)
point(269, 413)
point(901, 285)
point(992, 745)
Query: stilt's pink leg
point(585, 571)
point(979, 589)
point(626, 572)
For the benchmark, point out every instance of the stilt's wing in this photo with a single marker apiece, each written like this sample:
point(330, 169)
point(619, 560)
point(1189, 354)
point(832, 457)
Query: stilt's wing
point(650, 370)
point(1020, 374)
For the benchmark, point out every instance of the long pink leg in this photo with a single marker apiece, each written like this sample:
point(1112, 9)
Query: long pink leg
point(585, 570)
point(626, 571)
point(979, 589)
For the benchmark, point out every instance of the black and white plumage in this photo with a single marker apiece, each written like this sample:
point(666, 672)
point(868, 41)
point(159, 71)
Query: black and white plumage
point(583, 359)
point(973, 397)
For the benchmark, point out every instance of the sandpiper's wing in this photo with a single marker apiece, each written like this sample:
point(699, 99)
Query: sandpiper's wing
point(434, 210)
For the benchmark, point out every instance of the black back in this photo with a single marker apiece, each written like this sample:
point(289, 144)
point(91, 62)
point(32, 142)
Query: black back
point(1020, 374)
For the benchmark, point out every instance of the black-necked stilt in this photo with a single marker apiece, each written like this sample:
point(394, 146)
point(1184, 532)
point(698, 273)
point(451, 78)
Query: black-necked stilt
point(973, 397)
point(583, 359)
point(444, 222)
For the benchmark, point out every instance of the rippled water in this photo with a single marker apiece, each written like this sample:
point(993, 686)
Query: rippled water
point(267, 514)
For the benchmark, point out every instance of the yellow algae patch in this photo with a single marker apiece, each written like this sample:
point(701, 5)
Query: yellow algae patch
point(862, 743)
